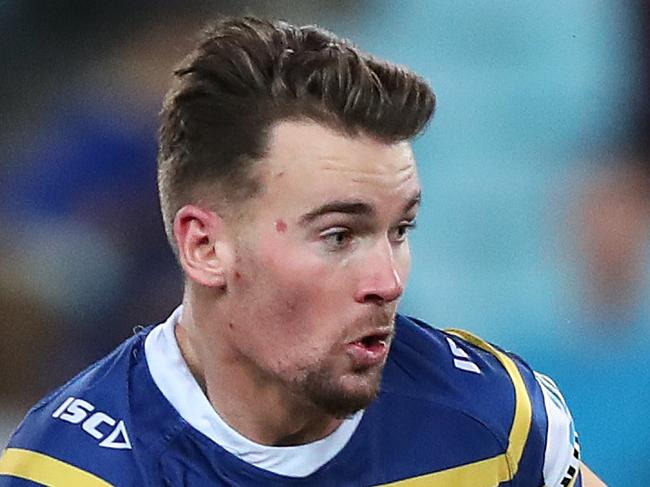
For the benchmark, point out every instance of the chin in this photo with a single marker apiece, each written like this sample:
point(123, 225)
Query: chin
point(348, 395)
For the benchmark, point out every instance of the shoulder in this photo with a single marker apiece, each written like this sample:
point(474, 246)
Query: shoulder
point(461, 371)
point(520, 409)
point(81, 431)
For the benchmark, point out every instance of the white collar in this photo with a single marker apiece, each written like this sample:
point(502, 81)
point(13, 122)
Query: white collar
point(174, 379)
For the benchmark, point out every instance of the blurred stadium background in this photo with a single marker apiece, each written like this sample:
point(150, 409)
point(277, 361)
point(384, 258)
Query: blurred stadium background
point(534, 231)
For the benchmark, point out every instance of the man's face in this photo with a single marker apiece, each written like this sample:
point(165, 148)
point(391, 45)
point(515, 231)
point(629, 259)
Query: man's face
point(321, 263)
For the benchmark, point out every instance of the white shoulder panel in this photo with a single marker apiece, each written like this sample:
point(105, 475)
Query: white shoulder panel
point(562, 455)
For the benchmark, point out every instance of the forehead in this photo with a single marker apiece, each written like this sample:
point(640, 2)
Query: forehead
point(309, 157)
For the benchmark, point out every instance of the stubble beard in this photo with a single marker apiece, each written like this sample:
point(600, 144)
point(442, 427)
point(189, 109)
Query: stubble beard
point(326, 391)
point(341, 396)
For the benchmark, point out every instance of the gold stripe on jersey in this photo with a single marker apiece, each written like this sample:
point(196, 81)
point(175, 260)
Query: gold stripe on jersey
point(46, 470)
point(492, 471)
point(574, 479)
point(486, 473)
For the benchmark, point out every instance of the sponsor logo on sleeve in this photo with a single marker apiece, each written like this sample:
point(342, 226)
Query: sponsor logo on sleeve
point(110, 432)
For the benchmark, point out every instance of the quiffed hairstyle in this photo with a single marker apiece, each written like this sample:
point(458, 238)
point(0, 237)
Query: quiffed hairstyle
point(247, 74)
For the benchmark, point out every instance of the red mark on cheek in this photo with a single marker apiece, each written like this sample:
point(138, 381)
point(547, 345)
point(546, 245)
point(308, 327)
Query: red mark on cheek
point(280, 226)
point(237, 275)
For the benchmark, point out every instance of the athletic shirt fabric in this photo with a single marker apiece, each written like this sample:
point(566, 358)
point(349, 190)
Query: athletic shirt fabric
point(453, 411)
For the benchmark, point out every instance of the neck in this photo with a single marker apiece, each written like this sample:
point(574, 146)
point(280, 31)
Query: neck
point(251, 402)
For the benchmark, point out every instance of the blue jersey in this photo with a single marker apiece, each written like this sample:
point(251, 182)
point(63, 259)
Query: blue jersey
point(453, 411)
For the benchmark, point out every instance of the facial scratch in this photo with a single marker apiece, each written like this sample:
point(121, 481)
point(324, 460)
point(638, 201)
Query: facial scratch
point(280, 226)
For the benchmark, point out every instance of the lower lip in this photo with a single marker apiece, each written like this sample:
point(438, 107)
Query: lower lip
point(367, 356)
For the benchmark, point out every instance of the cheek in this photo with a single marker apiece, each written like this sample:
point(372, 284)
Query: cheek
point(285, 331)
point(285, 283)
point(278, 290)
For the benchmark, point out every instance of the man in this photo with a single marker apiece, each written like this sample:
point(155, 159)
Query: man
point(288, 187)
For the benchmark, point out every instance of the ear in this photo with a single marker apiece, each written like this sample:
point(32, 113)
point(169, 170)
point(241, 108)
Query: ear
point(202, 249)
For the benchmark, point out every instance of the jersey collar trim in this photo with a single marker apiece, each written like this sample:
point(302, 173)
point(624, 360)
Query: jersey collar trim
point(174, 379)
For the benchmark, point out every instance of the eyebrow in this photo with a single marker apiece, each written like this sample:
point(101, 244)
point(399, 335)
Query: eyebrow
point(352, 207)
point(338, 206)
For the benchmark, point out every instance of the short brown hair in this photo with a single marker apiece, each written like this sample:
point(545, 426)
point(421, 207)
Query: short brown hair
point(247, 74)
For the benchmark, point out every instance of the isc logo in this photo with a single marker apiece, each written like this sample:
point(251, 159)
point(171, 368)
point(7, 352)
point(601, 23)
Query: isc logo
point(98, 425)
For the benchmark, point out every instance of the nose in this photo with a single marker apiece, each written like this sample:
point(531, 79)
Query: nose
point(381, 282)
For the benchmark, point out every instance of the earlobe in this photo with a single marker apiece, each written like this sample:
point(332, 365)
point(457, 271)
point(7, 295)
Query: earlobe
point(201, 248)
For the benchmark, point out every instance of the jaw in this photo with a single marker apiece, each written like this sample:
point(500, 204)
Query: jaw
point(342, 395)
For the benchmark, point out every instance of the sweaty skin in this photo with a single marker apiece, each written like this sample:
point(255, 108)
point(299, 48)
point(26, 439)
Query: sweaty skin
point(289, 311)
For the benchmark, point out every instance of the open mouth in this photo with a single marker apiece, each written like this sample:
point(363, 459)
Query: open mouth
point(375, 342)
point(370, 350)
